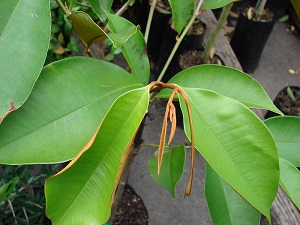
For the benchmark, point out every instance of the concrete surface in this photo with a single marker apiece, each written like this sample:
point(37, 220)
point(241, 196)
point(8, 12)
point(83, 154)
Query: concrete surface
point(282, 52)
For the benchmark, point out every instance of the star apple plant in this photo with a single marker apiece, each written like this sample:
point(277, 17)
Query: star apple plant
point(89, 111)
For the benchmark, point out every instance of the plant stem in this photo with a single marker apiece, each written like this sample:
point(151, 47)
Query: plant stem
point(259, 8)
point(150, 16)
point(63, 8)
point(83, 5)
point(186, 29)
point(213, 36)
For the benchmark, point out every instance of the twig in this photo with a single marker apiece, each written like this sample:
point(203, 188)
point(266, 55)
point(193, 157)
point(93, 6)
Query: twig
point(12, 211)
point(186, 29)
point(149, 21)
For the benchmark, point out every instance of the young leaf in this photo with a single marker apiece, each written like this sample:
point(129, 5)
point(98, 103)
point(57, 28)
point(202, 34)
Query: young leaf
point(22, 56)
point(87, 30)
point(226, 81)
point(7, 188)
point(236, 144)
point(63, 112)
point(82, 193)
point(214, 4)
point(225, 205)
point(171, 169)
point(121, 29)
point(100, 5)
point(134, 50)
point(181, 13)
point(290, 181)
point(286, 132)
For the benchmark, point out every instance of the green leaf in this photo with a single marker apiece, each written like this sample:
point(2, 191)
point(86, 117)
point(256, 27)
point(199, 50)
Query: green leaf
point(24, 39)
point(134, 49)
point(72, 1)
point(171, 168)
point(236, 144)
point(7, 188)
point(290, 181)
point(225, 205)
point(99, 6)
point(296, 5)
point(286, 132)
point(63, 112)
point(87, 30)
point(90, 180)
point(226, 81)
point(214, 4)
point(182, 11)
point(121, 29)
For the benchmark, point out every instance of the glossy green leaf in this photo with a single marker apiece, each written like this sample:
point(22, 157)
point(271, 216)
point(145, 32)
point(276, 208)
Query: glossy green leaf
point(226, 207)
point(21, 56)
point(182, 11)
point(226, 81)
point(87, 30)
point(215, 4)
point(134, 49)
point(290, 181)
point(236, 144)
point(99, 6)
point(171, 168)
point(64, 110)
point(82, 193)
point(7, 188)
point(286, 132)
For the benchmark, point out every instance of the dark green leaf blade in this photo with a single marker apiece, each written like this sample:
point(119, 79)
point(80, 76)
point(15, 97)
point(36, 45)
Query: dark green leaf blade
point(63, 112)
point(24, 39)
point(290, 181)
point(87, 30)
point(225, 205)
point(171, 168)
point(236, 144)
point(181, 13)
point(226, 81)
point(90, 180)
point(134, 49)
point(286, 132)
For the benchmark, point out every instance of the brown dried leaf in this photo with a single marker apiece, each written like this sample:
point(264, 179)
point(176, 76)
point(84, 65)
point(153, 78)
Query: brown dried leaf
point(173, 122)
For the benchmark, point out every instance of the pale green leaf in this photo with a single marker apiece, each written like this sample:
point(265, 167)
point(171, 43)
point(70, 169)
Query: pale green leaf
point(99, 6)
point(171, 168)
point(226, 81)
point(87, 30)
point(63, 112)
point(236, 144)
point(121, 29)
point(24, 39)
point(290, 181)
point(226, 207)
point(82, 193)
point(134, 49)
point(214, 4)
point(286, 132)
point(182, 11)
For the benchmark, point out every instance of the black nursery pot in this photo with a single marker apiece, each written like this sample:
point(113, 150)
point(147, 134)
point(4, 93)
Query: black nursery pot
point(248, 41)
point(193, 41)
point(284, 103)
